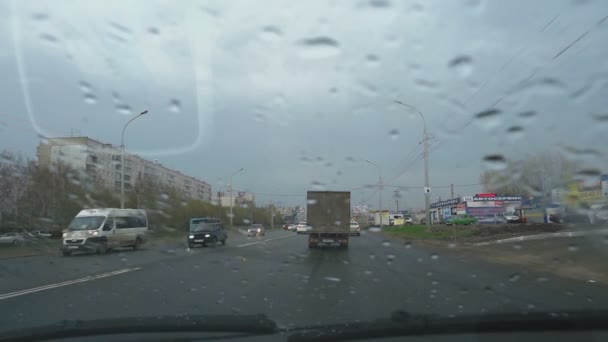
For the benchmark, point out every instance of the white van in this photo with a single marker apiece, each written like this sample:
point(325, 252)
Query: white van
point(97, 230)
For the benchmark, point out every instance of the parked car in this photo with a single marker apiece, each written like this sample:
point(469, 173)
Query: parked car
point(208, 233)
point(464, 219)
point(286, 226)
point(303, 228)
point(355, 229)
point(11, 239)
point(256, 229)
point(507, 218)
point(408, 220)
point(291, 227)
point(40, 234)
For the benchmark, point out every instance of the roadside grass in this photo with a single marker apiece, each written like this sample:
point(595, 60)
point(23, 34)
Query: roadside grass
point(30, 248)
point(421, 232)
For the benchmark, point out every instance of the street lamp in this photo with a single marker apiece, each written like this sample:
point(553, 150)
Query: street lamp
point(427, 188)
point(231, 198)
point(122, 159)
point(379, 188)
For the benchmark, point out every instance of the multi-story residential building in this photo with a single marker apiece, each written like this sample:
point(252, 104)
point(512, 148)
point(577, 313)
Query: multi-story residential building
point(102, 163)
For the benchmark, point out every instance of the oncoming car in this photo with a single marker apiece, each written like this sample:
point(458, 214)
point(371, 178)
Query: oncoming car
point(256, 229)
point(303, 228)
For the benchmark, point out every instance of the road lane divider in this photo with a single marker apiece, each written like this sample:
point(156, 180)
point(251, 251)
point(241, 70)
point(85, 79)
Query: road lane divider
point(263, 241)
point(66, 283)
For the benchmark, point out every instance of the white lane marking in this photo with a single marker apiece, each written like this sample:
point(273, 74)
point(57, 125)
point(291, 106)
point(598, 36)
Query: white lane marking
point(263, 241)
point(66, 283)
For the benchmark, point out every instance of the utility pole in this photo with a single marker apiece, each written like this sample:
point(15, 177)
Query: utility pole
point(271, 215)
point(397, 199)
point(452, 190)
point(231, 197)
point(427, 187)
point(122, 159)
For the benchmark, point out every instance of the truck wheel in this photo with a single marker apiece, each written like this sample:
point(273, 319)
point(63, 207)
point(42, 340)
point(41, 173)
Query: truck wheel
point(223, 242)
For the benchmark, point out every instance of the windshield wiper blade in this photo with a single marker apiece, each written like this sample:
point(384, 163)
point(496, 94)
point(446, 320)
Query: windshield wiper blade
point(250, 324)
point(404, 324)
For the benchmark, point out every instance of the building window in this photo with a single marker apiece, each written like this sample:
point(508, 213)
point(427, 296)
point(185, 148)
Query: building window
point(127, 170)
point(93, 159)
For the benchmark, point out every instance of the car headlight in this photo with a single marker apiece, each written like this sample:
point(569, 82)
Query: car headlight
point(64, 235)
point(207, 235)
point(93, 232)
point(190, 236)
point(259, 230)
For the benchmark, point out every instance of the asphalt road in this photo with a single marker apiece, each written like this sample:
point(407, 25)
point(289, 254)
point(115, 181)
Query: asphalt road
point(278, 275)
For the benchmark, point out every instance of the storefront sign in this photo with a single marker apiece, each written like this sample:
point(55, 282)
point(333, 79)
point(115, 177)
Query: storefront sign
point(445, 203)
point(497, 198)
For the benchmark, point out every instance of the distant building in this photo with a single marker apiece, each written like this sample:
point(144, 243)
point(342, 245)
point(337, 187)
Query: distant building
point(238, 199)
point(102, 163)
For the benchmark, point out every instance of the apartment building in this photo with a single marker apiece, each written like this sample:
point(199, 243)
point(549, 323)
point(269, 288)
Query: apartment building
point(102, 163)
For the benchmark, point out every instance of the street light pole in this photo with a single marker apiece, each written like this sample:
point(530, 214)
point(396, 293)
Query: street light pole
point(122, 159)
point(232, 198)
point(379, 188)
point(427, 188)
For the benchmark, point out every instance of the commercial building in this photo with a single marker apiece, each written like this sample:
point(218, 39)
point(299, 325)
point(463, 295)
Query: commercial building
point(238, 199)
point(101, 162)
point(483, 206)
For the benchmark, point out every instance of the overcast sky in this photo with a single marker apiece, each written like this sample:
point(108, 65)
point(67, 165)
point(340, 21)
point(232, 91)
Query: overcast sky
point(300, 94)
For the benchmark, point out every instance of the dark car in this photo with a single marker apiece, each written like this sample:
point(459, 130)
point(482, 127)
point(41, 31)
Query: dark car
point(256, 229)
point(205, 234)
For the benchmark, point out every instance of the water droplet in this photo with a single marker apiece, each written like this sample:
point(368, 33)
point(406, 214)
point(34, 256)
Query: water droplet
point(174, 106)
point(531, 306)
point(375, 229)
point(124, 109)
point(367, 88)
point(372, 60)
point(153, 30)
point(394, 134)
point(451, 245)
point(334, 279)
point(514, 277)
point(367, 272)
point(515, 129)
point(90, 98)
point(527, 114)
point(318, 47)
point(372, 256)
point(390, 257)
point(488, 289)
point(318, 186)
point(246, 221)
point(463, 65)
point(425, 84)
point(416, 8)
point(517, 246)
point(572, 248)
point(271, 33)
point(434, 256)
point(408, 245)
point(49, 38)
point(40, 16)
point(495, 162)
point(429, 274)
point(386, 243)
point(380, 3)
point(542, 279)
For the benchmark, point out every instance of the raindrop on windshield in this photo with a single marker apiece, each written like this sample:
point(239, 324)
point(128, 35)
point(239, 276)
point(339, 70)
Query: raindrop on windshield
point(514, 277)
point(386, 243)
point(40, 16)
point(380, 3)
point(124, 109)
point(394, 134)
point(425, 84)
point(515, 129)
point(174, 106)
point(408, 245)
point(153, 30)
point(334, 279)
point(375, 229)
point(90, 98)
point(495, 162)
point(318, 47)
point(316, 185)
point(463, 65)
point(572, 248)
point(434, 256)
point(372, 60)
point(372, 256)
point(246, 221)
point(517, 246)
point(271, 33)
point(49, 38)
point(311, 201)
point(488, 119)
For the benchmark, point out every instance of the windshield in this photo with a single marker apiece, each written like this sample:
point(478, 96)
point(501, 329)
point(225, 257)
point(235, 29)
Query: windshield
point(484, 120)
point(86, 222)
